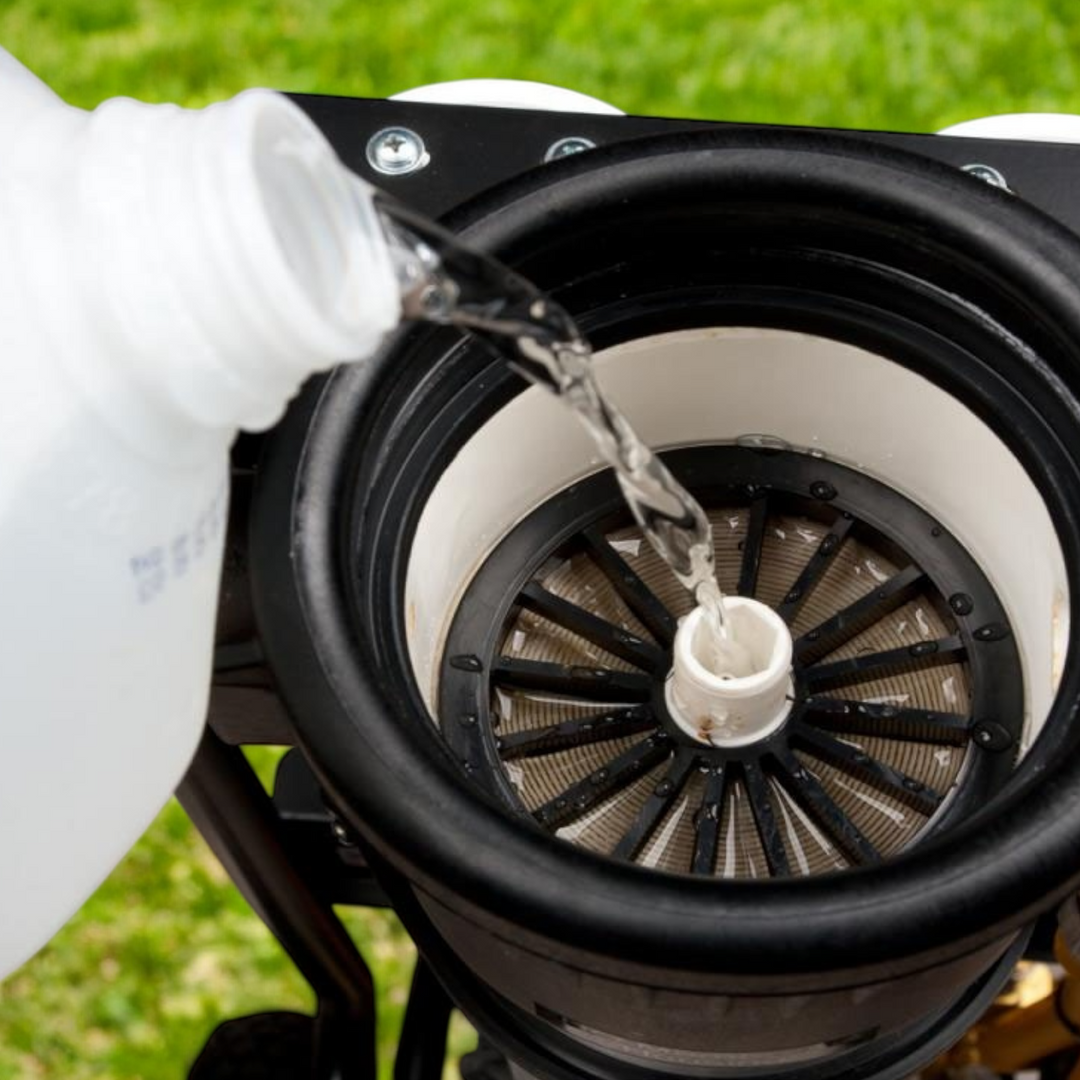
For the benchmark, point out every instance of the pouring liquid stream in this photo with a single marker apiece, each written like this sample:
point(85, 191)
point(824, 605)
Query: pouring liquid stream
point(445, 282)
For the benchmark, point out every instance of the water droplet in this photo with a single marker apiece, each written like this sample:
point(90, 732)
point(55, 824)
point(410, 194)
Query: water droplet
point(769, 444)
point(948, 689)
point(876, 572)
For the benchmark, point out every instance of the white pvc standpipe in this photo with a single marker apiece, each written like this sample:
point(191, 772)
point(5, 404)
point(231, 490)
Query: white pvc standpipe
point(735, 690)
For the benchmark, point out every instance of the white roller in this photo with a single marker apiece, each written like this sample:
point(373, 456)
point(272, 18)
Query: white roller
point(1023, 127)
point(508, 94)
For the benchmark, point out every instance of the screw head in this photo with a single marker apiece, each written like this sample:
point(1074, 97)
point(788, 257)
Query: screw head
point(961, 603)
point(396, 151)
point(823, 490)
point(987, 173)
point(571, 144)
point(991, 736)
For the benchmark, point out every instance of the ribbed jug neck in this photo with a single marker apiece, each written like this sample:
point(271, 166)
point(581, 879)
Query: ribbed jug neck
point(235, 253)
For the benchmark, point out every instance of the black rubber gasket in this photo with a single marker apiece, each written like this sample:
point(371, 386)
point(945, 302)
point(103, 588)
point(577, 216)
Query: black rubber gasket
point(845, 500)
point(963, 284)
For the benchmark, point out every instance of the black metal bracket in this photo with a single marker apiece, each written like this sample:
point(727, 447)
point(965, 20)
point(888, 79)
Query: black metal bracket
point(475, 148)
point(225, 800)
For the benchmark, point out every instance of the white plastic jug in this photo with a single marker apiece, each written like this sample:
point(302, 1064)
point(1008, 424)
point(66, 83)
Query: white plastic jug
point(167, 277)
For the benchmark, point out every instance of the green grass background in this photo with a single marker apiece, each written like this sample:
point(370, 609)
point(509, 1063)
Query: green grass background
point(166, 947)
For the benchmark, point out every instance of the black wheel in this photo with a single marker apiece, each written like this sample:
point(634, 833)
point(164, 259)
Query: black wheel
point(265, 1046)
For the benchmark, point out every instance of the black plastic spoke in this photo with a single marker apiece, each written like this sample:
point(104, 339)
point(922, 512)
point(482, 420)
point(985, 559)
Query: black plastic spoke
point(637, 596)
point(586, 683)
point(752, 546)
point(656, 806)
point(815, 567)
point(707, 821)
point(819, 805)
point(613, 639)
point(619, 773)
point(584, 731)
point(889, 721)
point(870, 665)
point(859, 763)
point(859, 616)
point(768, 828)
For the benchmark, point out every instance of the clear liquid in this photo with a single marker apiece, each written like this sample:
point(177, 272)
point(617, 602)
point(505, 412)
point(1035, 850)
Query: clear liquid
point(446, 282)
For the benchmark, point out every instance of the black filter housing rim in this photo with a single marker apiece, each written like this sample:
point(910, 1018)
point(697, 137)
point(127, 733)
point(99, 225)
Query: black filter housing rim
point(980, 884)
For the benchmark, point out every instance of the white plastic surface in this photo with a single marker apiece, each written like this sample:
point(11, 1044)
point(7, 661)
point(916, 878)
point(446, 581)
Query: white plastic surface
point(714, 384)
point(165, 276)
point(736, 690)
point(1025, 127)
point(508, 94)
point(25, 95)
